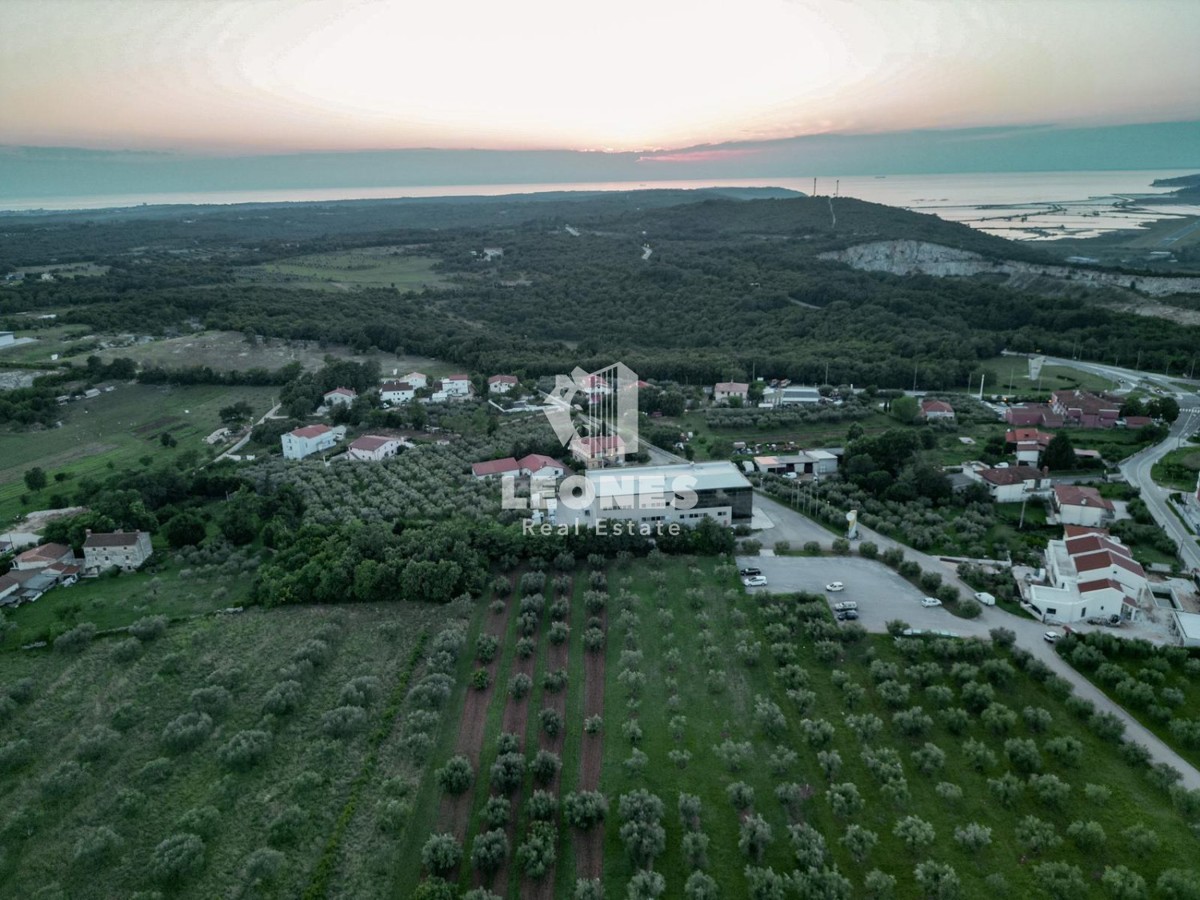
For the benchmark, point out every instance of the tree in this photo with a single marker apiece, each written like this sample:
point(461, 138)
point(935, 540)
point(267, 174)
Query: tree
point(35, 478)
point(914, 832)
point(1123, 884)
point(455, 777)
point(185, 529)
point(904, 409)
point(584, 809)
point(178, 857)
point(488, 851)
point(808, 845)
point(938, 881)
point(973, 836)
point(537, 854)
point(441, 854)
point(1036, 835)
point(859, 842)
point(1061, 880)
point(1060, 453)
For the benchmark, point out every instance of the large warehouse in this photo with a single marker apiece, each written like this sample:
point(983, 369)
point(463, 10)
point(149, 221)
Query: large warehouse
point(663, 494)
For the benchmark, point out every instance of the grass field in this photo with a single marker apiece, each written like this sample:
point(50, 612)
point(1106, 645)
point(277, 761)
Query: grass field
point(350, 269)
point(93, 780)
point(1009, 375)
point(115, 431)
point(1178, 469)
point(710, 693)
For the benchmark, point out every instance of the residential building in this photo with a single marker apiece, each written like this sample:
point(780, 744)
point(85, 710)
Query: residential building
point(456, 385)
point(373, 448)
point(501, 384)
point(1086, 409)
point(724, 391)
point(307, 440)
point(495, 467)
point(673, 494)
point(1033, 414)
point(936, 411)
point(535, 465)
point(1028, 444)
point(417, 379)
point(1089, 575)
point(595, 384)
point(43, 555)
point(124, 549)
point(13, 585)
point(1136, 421)
point(1013, 484)
point(1078, 505)
point(599, 451)
point(340, 395)
point(393, 393)
point(1186, 626)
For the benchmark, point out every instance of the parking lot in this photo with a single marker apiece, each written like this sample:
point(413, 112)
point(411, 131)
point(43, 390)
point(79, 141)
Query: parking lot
point(880, 593)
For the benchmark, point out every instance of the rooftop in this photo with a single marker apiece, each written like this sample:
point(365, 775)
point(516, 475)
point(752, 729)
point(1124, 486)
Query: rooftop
point(372, 442)
point(1077, 495)
point(309, 431)
point(115, 539)
point(704, 476)
point(44, 552)
point(495, 466)
point(503, 379)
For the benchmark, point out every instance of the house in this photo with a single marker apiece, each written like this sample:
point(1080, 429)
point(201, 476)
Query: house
point(307, 440)
point(490, 253)
point(936, 411)
point(494, 467)
point(43, 555)
point(12, 585)
point(1089, 575)
point(340, 395)
point(680, 494)
point(393, 393)
point(373, 448)
point(1033, 414)
point(417, 379)
point(1186, 626)
point(806, 462)
point(1013, 484)
point(1028, 444)
point(1085, 409)
point(124, 549)
point(535, 465)
point(727, 390)
point(456, 385)
point(501, 384)
point(1136, 421)
point(1077, 505)
point(595, 384)
point(599, 451)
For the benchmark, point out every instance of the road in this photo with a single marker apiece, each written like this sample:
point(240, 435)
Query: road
point(242, 443)
point(883, 595)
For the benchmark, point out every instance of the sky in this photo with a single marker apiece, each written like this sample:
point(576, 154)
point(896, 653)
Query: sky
point(289, 76)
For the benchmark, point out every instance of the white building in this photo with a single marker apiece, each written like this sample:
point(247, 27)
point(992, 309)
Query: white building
point(417, 379)
point(727, 390)
point(372, 448)
point(1077, 505)
point(674, 494)
point(794, 395)
point(42, 556)
point(501, 384)
point(1089, 575)
point(1186, 627)
point(937, 410)
point(1013, 483)
point(393, 393)
point(493, 468)
point(535, 465)
point(342, 395)
point(806, 462)
point(307, 440)
point(124, 549)
point(599, 451)
point(456, 385)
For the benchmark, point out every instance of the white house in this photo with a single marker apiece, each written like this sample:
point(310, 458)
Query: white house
point(502, 384)
point(1014, 483)
point(1077, 505)
point(937, 410)
point(42, 556)
point(342, 395)
point(494, 467)
point(598, 451)
point(372, 448)
point(417, 379)
point(456, 385)
point(307, 440)
point(727, 390)
point(1089, 575)
point(535, 465)
point(392, 393)
point(124, 549)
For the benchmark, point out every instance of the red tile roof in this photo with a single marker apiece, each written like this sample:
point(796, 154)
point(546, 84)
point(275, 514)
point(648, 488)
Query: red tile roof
point(1090, 562)
point(44, 553)
point(1076, 495)
point(731, 387)
point(1070, 531)
point(600, 443)
point(1011, 475)
point(457, 378)
point(503, 379)
point(1088, 586)
point(1138, 421)
point(1090, 543)
point(936, 406)
point(1024, 435)
point(392, 386)
point(309, 431)
point(495, 467)
point(345, 392)
point(535, 461)
point(371, 442)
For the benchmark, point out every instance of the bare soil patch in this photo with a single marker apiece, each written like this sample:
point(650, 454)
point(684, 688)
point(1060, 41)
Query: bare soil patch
point(589, 846)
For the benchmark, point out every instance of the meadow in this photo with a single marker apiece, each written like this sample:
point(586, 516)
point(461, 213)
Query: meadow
point(350, 269)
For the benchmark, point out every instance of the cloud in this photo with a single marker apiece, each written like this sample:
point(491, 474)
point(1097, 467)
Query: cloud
point(700, 156)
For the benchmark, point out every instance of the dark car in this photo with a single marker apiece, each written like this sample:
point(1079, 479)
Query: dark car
point(746, 573)
point(848, 615)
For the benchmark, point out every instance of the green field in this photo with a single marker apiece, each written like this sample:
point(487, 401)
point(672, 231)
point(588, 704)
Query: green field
point(115, 431)
point(1009, 376)
point(95, 776)
point(1178, 469)
point(713, 694)
point(350, 269)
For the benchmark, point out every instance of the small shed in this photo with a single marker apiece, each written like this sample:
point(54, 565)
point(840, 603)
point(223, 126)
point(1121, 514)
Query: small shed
point(1186, 626)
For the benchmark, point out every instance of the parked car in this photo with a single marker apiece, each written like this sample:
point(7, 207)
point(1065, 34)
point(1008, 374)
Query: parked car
point(845, 605)
point(834, 586)
point(849, 615)
point(755, 581)
point(931, 601)
point(745, 573)
point(985, 598)
point(1051, 637)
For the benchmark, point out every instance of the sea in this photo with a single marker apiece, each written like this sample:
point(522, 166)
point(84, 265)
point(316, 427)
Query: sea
point(1033, 206)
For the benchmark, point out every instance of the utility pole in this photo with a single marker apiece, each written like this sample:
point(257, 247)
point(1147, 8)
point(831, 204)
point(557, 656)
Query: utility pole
point(1138, 365)
point(826, 371)
point(814, 187)
point(914, 377)
point(981, 379)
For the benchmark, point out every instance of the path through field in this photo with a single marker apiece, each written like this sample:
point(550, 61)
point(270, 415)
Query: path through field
point(589, 845)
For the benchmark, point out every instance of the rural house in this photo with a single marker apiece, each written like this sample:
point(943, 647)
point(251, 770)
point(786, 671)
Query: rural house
point(456, 385)
point(727, 390)
point(392, 393)
point(1077, 505)
point(493, 467)
point(307, 440)
point(373, 448)
point(124, 549)
point(535, 465)
point(417, 379)
point(599, 451)
point(340, 395)
point(1089, 575)
point(42, 556)
point(1029, 444)
point(936, 411)
point(1013, 484)
point(501, 384)
point(1085, 409)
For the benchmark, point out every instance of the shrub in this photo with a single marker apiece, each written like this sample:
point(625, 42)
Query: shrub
point(489, 850)
point(808, 844)
point(441, 854)
point(545, 766)
point(97, 743)
point(456, 776)
point(700, 886)
point(127, 650)
point(213, 700)
point(496, 812)
point(936, 879)
point(584, 809)
point(177, 858)
point(741, 795)
point(15, 754)
point(754, 836)
point(344, 721)
point(520, 685)
point(361, 691)
point(593, 724)
point(844, 799)
point(542, 806)
point(283, 698)
point(96, 845)
point(149, 628)
point(202, 820)
point(75, 640)
point(285, 828)
point(262, 866)
point(187, 731)
point(507, 772)
point(859, 842)
point(537, 853)
point(480, 679)
point(915, 833)
point(1060, 880)
point(1036, 835)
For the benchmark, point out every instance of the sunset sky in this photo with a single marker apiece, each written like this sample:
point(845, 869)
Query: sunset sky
point(290, 75)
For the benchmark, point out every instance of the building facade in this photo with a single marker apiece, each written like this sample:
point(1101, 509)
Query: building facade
point(125, 550)
point(307, 440)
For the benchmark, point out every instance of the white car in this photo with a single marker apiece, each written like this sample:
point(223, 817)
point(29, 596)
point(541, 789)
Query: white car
point(844, 606)
point(834, 586)
point(985, 598)
point(931, 601)
point(755, 581)
point(1051, 637)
